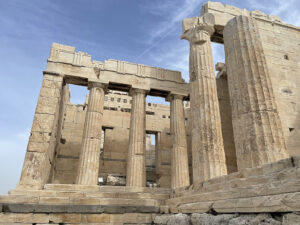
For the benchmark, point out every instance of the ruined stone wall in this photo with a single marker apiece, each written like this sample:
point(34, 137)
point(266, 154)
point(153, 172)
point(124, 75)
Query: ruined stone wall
point(280, 43)
point(116, 124)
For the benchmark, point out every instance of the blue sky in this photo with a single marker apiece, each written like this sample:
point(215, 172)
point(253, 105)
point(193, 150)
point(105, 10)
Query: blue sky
point(139, 31)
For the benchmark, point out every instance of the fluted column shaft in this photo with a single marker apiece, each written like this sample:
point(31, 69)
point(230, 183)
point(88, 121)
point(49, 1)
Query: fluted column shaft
point(136, 162)
point(207, 142)
point(179, 162)
point(257, 127)
point(90, 151)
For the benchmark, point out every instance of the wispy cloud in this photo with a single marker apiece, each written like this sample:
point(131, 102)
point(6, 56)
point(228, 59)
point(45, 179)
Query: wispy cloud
point(173, 53)
point(166, 51)
point(172, 13)
point(164, 46)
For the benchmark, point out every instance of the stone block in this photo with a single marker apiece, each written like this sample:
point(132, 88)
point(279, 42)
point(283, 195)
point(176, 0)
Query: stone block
point(47, 105)
point(200, 207)
point(161, 219)
point(43, 123)
point(18, 199)
point(54, 200)
point(248, 172)
point(71, 187)
point(272, 203)
point(115, 181)
point(291, 219)
point(204, 218)
point(262, 218)
point(39, 137)
point(95, 218)
point(41, 147)
point(86, 201)
point(65, 218)
point(134, 218)
point(179, 219)
point(20, 224)
point(18, 208)
point(23, 218)
point(50, 92)
point(164, 209)
point(277, 166)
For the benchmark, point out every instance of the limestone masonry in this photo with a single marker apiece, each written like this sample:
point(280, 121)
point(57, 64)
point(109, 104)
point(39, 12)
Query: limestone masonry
point(226, 150)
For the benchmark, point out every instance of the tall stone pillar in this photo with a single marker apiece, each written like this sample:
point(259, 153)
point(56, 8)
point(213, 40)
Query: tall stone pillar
point(257, 127)
point(136, 161)
point(42, 140)
point(179, 157)
point(207, 142)
point(88, 168)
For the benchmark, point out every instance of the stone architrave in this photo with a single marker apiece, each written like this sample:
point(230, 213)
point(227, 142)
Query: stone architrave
point(88, 168)
point(257, 128)
point(179, 157)
point(42, 140)
point(207, 142)
point(136, 161)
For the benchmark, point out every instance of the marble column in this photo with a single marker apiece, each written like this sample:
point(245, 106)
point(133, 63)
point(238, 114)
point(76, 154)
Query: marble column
point(43, 136)
point(88, 168)
point(257, 127)
point(207, 142)
point(179, 157)
point(136, 161)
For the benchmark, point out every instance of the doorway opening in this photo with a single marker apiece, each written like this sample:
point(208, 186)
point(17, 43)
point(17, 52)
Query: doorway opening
point(151, 159)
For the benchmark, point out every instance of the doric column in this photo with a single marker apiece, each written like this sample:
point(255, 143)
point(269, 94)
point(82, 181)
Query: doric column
point(88, 168)
point(43, 135)
point(207, 142)
point(179, 157)
point(257, 127)
point(136, 161)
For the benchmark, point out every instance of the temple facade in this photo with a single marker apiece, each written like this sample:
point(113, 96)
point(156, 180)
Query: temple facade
point(226, 145)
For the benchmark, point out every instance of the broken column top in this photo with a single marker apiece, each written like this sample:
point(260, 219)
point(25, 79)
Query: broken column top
point(223, 13)
point(218, 8)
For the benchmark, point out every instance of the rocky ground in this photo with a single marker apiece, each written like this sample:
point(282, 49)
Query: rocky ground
point(228, 219)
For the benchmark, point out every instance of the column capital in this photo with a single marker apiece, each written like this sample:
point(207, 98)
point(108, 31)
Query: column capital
point(92, 84)
point(138, 90)
point(173, 96)
point(197, 29)
point(199, 34)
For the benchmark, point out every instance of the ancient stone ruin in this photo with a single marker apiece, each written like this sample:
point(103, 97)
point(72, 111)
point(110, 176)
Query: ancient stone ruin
point(227, 149)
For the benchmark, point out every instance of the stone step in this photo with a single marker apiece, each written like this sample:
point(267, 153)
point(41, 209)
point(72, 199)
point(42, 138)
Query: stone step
point(287, 202)
point(81, 194)
point(228, 182)
point(78, 200)
point(71, 218)
point(28, 204)
point(95, 188)
point(273, 188)
point(242, 193)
